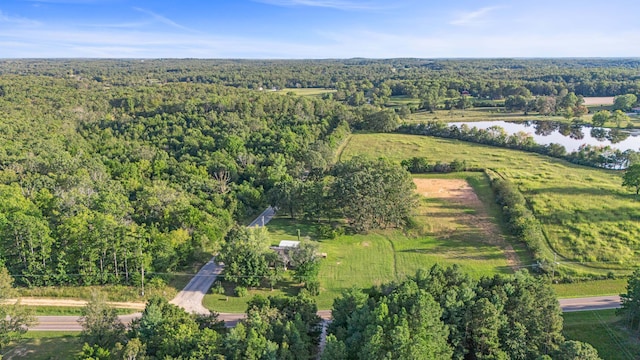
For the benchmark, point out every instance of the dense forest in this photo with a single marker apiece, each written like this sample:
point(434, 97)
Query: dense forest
point(94, 178)
point(493, 78)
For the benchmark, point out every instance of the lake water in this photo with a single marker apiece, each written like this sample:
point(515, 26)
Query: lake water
point(571, 136)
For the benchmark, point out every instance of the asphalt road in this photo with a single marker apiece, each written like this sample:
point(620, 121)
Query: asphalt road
point(590, 303)
point(70, 323)
point(190, 298)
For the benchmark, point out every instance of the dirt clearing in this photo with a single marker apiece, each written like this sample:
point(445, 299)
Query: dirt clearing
point(462, 204)
point(608, 100)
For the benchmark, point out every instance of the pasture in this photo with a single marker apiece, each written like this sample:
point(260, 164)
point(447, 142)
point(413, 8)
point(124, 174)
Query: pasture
point(589, 219)
point(449, 231)
point(604, 331)
point(307, 91)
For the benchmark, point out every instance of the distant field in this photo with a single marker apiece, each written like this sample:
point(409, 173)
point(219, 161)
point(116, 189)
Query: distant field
point(307, 91)
point(606, 100)
point(603, 330)
point(589, 219)
point(478, 114)
point(457, 235)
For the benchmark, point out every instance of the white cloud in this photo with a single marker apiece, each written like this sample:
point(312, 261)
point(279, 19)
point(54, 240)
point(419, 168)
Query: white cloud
point(334, 4)
point(16, 20)
point(474, 17)
point(163, 19)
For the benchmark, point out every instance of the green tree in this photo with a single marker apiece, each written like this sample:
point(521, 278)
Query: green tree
point(373, 193)
point(100, 323)
point(334, 349)
point(305, 261)
point(624, 102)
point(619, 118)
point(14, 319)
point(245, 255)
point(601, 117)
point(576, 350)
point(631, 177)
point(382, 121)
point(630, 301)
point(516, 102)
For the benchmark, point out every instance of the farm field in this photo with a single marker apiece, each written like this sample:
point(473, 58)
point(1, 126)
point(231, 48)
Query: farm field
point(459, 231)
point(604, 331)
point(307, 91)
point(587, 216)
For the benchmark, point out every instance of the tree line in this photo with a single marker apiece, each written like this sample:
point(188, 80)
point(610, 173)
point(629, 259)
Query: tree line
point(439, 313)
point(589, 155)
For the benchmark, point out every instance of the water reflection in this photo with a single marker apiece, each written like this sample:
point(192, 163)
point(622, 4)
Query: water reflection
point(570, 135)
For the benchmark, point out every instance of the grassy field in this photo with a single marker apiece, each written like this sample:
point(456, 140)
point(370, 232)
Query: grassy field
point(45, 345)
point(496, 113)
point(308, 91)
point(588, 217)
point(591, 288)
point(383, 256)
point(603, 330)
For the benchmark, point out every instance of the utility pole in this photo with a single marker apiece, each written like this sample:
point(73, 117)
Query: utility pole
point(142, 269)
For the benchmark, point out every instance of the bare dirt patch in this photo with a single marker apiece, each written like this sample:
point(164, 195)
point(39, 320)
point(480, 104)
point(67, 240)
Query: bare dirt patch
point(473, 213)
point(70, 303)
point(607, 100)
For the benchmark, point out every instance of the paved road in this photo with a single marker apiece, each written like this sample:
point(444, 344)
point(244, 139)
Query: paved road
point(190, 298)
point(590, 303)
point(264, 218)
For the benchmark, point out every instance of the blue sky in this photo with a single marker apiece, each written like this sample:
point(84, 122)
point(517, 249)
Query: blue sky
point(318, 28)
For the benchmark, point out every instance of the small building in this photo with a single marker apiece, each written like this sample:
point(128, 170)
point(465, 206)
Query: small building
point(283, 249)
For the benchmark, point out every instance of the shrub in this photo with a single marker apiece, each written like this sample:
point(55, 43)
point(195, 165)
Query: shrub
point(241, 291)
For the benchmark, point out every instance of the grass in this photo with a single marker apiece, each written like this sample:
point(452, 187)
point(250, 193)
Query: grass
point(604, 330)
point(67, 310)
point(588, 218)
point(308, 91)
point(591, 288)
point(45, 345)
point(167, 289)
point(383, 256)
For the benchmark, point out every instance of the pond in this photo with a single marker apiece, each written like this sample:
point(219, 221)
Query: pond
point(571, 136)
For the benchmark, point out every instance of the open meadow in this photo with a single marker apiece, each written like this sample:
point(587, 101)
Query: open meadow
point(45, 345)
point(306, 91)
point(589, 219)
point(455, 227)
point(605, 331)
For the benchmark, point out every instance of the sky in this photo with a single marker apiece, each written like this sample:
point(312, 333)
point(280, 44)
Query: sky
point(318, 29)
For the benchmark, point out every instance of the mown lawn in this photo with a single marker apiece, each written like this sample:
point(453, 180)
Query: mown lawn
point(591, 288)
point(604, 330)
point(45, 345)
point(588, 217)
point(383, 256)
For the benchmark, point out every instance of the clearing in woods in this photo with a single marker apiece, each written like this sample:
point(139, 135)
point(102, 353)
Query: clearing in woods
point(444, 194)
